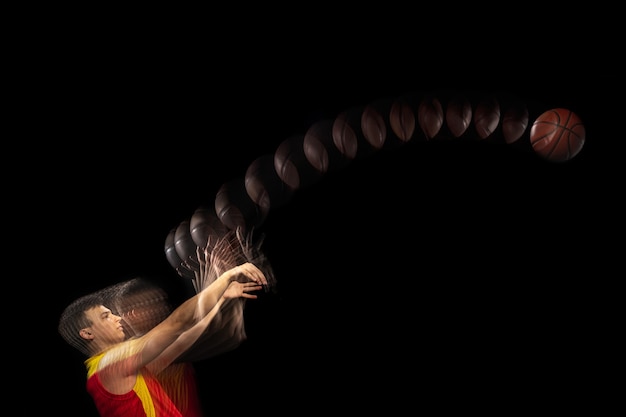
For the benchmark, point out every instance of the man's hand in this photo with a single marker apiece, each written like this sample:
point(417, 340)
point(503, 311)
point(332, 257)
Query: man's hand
point(249, 272)
point(242, 290)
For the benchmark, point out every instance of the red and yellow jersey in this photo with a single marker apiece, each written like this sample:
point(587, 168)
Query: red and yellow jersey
point(146, 399)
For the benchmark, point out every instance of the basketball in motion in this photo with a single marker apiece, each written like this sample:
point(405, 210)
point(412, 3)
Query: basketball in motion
point(557, 135)
point(487, 117)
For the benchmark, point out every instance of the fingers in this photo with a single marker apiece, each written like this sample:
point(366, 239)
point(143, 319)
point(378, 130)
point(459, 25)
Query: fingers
point(250, 287)
point(249, 296)
point(253, 272)
point(243, 290)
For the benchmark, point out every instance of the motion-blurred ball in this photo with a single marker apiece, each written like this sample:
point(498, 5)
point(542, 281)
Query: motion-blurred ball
point(430, 116)
point(402, 120)
point(263, 184)
point(206, 227)
point(557, 135)
point(348, 134)
point(172, 256)
point(373, 127)
point(344, 136)
point(183, 242)
point(235, 208)
point(292, 165)
point(320, 149)
point(486, 117)
point(514, 122)
point(458, 115)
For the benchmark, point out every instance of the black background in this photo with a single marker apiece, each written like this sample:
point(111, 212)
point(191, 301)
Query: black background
point(458, 274)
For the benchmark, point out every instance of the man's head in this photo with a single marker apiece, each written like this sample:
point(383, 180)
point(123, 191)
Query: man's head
point(88, 325)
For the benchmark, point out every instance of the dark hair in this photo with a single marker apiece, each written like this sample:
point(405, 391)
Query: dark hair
point(73, 319)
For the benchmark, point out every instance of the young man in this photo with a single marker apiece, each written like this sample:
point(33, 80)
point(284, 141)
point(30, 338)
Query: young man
point(122, 371)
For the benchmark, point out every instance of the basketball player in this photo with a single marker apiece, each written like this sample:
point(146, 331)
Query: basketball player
point(122, 371)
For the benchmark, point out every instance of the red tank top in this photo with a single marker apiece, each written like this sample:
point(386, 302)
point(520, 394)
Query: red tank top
point(146, 399)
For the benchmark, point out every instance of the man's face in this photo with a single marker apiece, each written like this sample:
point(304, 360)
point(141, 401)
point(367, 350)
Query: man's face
point(106, 327)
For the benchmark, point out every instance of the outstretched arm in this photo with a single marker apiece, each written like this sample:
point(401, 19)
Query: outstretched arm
point(194, 309)
point(123, 362)
point(188, 338)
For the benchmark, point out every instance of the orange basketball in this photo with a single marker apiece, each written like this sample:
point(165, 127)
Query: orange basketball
point(557, 135)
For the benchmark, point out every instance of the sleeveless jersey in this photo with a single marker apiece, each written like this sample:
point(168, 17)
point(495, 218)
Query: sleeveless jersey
point(146, 399)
